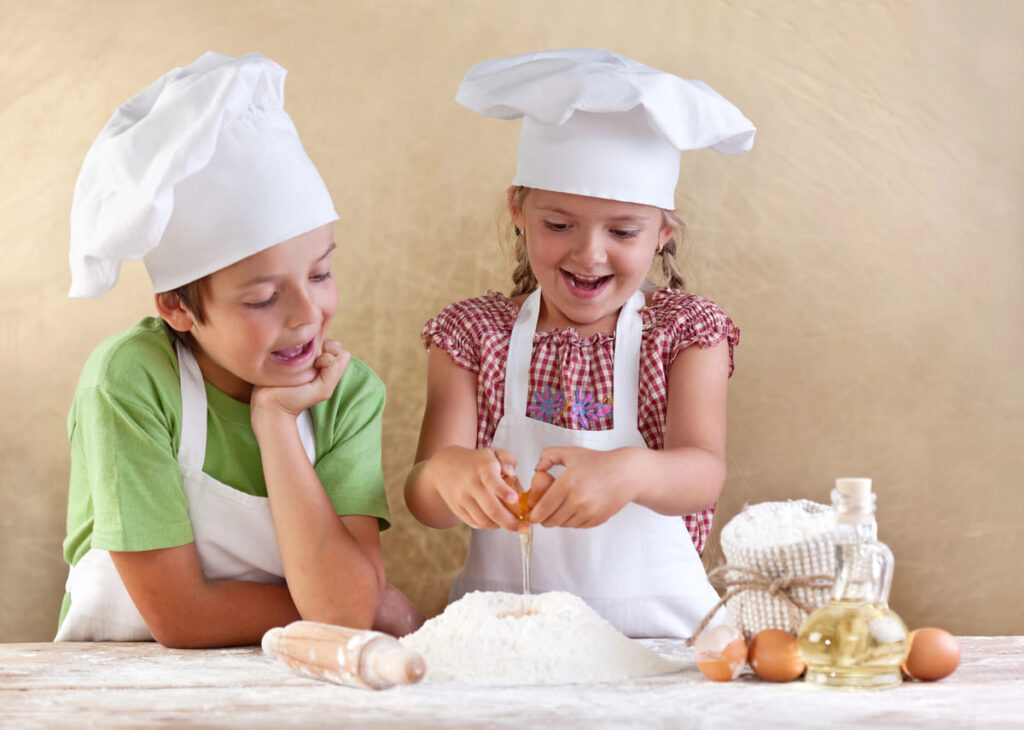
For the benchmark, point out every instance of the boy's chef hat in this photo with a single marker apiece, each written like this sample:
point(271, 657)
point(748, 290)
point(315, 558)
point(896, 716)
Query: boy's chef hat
point(600, 124)
point(200, 170)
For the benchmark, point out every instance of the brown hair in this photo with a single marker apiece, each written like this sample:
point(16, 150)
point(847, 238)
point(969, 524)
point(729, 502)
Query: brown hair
point(524, 282)
point(191, 295)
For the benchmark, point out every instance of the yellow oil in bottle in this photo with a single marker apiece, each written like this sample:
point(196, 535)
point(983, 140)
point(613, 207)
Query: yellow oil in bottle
point(851, 644)
point(856, 641)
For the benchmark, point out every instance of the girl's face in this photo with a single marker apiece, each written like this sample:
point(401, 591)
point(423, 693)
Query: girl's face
point(266, 316)
point(588, 254)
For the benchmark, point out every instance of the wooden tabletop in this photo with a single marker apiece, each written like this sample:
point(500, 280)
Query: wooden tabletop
point(146, 685)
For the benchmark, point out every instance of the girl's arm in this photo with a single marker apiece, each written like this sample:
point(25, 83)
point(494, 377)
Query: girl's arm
point(333, 565)
point(692, 465)
point(452, 480)
point(685, 477)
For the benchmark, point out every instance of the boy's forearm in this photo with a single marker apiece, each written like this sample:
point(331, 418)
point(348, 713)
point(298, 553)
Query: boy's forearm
point(330, 575)
point(677, 481)
point(223, 613)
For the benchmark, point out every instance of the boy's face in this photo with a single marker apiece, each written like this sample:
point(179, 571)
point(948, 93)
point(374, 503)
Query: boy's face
point(266, 316)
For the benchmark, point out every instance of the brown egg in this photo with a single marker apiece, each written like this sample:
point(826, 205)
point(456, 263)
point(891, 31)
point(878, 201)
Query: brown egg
point(933, 654)
point(720, 653)
point(775, 656)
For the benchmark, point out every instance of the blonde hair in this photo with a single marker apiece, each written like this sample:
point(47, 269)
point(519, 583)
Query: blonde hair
point(524, 282)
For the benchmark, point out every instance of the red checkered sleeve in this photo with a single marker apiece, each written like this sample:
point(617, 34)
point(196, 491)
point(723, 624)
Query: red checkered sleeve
point(571, 377)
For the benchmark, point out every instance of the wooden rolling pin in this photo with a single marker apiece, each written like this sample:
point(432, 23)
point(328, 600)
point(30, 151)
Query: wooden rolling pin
point(346, 656)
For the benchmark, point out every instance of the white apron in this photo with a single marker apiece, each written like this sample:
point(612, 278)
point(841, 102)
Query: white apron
point(639, 570)
point(233, 531)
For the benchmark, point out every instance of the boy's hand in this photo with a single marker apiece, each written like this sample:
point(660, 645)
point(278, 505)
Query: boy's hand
point(397, 615)
point(594, 486)
point(470, 482)
point(293, 400)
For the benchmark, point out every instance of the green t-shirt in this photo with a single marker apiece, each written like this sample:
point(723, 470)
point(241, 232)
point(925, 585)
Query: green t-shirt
point(125, 428)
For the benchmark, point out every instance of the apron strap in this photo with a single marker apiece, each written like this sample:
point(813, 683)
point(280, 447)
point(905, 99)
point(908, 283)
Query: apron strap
point(306, 433)
point(520, 353)
point(628, 337)
point(192, 451)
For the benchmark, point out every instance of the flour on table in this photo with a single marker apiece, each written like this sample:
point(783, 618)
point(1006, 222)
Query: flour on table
point(508, 639)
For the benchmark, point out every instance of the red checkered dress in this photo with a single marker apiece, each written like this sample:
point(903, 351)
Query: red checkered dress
point(571, 376)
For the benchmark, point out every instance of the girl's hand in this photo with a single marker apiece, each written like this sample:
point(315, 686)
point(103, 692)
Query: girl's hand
point(470, 481)
point(293, 400)
point(594, 486)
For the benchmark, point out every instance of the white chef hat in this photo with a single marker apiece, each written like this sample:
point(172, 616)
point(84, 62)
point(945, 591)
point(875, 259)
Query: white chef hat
point(200, 170)
point(599, 124)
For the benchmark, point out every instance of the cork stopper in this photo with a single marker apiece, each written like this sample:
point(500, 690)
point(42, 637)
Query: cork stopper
point(854, 500)
point(855, 487)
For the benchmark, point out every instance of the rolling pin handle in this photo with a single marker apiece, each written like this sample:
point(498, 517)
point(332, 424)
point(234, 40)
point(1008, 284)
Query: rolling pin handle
point(386, 663)
point(271, 640)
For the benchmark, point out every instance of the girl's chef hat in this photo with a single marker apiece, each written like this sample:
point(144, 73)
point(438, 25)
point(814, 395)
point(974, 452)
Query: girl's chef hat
point(600, 124)
point(200, 170)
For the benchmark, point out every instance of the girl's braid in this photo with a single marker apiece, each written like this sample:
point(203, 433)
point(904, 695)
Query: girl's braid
point(669, 264)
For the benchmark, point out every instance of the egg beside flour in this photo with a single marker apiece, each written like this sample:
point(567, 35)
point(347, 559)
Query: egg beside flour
point(493, 638)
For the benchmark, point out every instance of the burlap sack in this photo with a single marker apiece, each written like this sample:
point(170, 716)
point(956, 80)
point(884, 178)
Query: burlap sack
point(754, 610)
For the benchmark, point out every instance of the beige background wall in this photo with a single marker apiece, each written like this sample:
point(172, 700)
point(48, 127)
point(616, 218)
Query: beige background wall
point(870, 247)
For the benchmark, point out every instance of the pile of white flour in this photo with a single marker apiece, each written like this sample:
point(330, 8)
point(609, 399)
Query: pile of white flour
point(770, 524)
point(509, 639)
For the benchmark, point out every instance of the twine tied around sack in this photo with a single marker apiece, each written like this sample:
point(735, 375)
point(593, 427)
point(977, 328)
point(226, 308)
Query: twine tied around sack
point(753, 580)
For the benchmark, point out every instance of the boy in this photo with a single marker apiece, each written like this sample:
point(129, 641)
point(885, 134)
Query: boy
point(225, 476)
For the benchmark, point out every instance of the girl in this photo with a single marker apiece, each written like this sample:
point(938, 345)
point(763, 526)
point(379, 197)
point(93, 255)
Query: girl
point(605, 395)
point(225, 463)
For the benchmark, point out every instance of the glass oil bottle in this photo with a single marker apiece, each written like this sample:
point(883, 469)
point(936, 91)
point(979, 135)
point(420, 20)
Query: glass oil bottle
point(856, 641)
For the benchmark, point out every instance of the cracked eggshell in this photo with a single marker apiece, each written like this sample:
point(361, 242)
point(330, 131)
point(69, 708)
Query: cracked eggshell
point(720, 653)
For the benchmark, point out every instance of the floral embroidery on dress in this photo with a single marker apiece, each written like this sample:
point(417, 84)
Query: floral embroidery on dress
point(545, 404)
point(585, 410)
